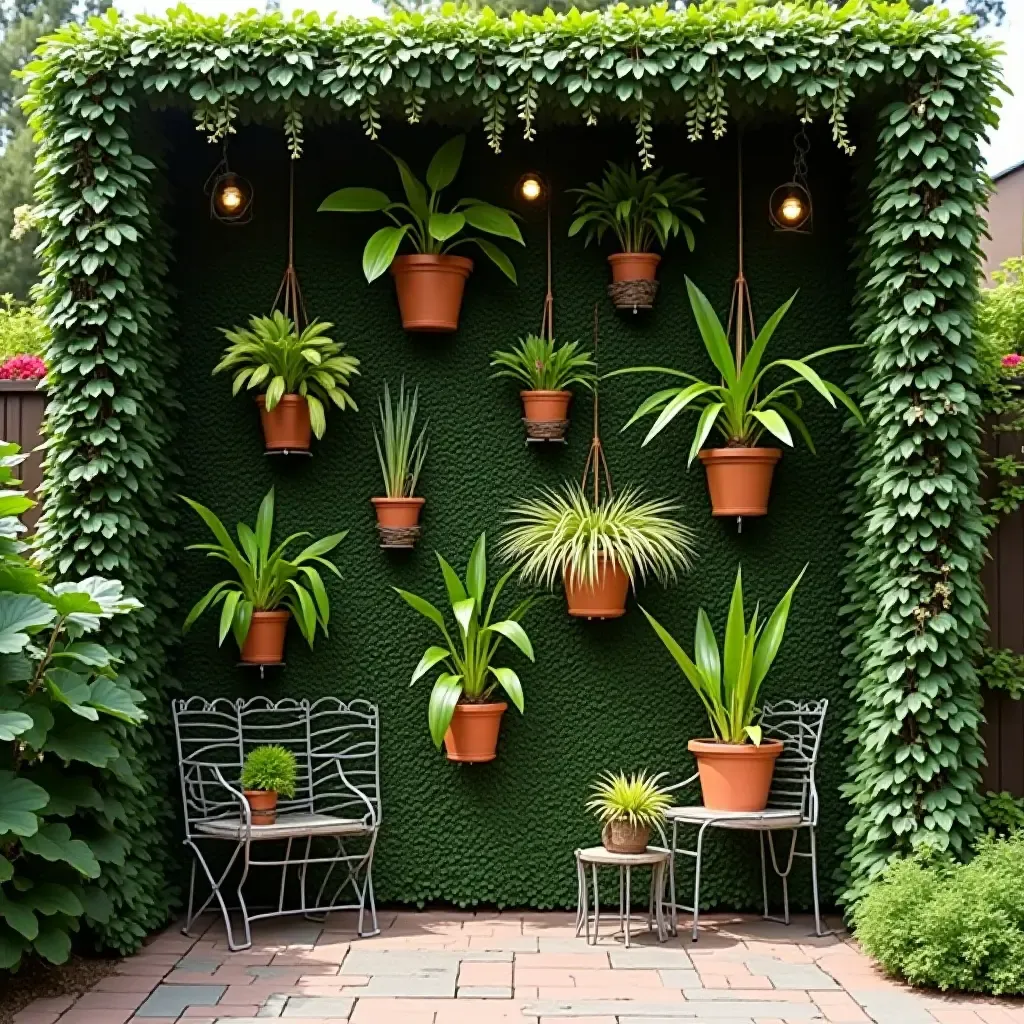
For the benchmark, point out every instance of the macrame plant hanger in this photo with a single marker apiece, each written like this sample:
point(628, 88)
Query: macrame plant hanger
point(596, 463)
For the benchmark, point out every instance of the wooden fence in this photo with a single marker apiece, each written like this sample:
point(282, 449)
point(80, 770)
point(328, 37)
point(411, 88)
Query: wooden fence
point(21, 420)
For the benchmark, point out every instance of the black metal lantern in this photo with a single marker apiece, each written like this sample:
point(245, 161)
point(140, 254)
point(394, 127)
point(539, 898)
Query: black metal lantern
point(791, 207)
point(231, 195)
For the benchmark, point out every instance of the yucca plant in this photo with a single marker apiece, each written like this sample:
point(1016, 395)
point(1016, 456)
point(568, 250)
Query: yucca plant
point(400, 455)
point(265, 579)
point(636, 799)
point(270, 769)
point(541, 364)
point(271, 356)
point(566, 533)
point(641, 211)
point(728, 683)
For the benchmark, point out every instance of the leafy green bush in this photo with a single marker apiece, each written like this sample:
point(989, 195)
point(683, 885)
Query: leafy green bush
point(999, 320)
point(271, 770)
point(1002, 813)
point(950, 925)
point(22, 329)
point(1002, 669)
point(63, 708)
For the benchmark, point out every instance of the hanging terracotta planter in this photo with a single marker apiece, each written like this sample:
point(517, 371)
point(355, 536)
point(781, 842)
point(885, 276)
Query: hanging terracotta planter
point(634, 279)
point(430, 290)
point(739, 479)
point(735, 776)
point(264, 643)
point(546, 414)
point(601, 598)
point(398, 521)
point(472, 736)
point(620, 836)
point(262, 806)
point(286, 427)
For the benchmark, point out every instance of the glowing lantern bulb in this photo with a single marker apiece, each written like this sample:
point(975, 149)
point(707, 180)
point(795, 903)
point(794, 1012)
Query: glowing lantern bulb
point(231, 198)
point(792, 209)
point(531, 188)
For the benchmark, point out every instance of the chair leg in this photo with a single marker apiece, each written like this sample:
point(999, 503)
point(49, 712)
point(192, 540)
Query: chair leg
point(783, 873)
point(764, 873)
point(814, 884)
point(247, 931)
point(215, 893)
point(696, 880)
point(189, 919)
point(581, 908)
point(673, 917)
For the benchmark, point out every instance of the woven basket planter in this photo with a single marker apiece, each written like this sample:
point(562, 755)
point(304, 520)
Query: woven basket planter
point(634, 295)
point(620, 836)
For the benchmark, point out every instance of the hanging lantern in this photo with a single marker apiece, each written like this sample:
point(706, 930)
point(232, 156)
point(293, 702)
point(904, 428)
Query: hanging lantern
point(532, 188)
point(231, 195)
point(790, 207)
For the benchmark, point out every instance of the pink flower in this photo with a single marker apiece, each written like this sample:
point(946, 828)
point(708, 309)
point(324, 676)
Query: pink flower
point(1013, 359)
point(23, 368)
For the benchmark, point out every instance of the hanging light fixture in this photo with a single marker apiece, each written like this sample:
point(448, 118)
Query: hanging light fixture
point(790, 207)
point(231, 195)
point(532, 187)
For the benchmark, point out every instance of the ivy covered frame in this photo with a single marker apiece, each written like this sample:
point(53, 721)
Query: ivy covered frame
point(914, 608)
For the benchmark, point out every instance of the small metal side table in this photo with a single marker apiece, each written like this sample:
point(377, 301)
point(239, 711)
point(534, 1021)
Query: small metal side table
point(598, 856)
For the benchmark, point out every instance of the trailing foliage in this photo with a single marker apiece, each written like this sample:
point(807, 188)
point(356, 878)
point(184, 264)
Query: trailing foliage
point(541, 364)
point(270, 769)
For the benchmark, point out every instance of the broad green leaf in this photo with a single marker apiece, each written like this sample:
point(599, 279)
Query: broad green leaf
point(774, 424)
point(12, 946)
point(381, 249)
point(53, 942)
point(6, 869)
point(771, 636)
point(19, 800)
point(425, 608)
point(93, 655)
point(443, 226)
point(54, 842)
point(53, 898)
point(510, 684)
point(493, 220)
point(443, 699)
point(72, 690)
point(754, 732)
point(78, 740)
point(456, 591)
point(97, 904)
point(113, 698)
point(497, 257)
point(713, 333)
point(13, 724)
point(430, 658)
point(704, 427)
point(476, 571)
point(445, 163)
point(19, 916)
point(514, 632)
point(465, 613)
point(735, 634)
point(355, 200)
point(21, 615)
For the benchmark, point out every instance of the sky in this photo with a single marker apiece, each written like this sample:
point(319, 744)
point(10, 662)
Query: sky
point(1005, 147)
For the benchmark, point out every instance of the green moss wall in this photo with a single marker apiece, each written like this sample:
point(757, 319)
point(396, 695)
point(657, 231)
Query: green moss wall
point(602, 694)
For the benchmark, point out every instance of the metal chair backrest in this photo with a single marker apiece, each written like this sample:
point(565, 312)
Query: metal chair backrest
point(336, 747)
point(799, 725)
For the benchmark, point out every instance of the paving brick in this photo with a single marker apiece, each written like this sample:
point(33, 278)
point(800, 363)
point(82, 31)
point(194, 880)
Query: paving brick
point(380, 1011)
point(223, 1012)
point(704, 1011)
point(679, 978)
point(595, 958)
point(126, 983)
point(34, 1017)
point(171, 1000)
point(411, 985)
point(52, 1004)
point(472, 972)
point(775, 995)
point(650, 958)
point(76, 1016)
point(319, 1006)
point(790, 975)
point(485, 992)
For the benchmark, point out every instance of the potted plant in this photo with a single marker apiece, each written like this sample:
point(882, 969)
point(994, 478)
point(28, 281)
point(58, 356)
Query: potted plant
point(267, 588)
point(462, 711)
point(401, 459)
point(297, 373)
point(736, 764)
point(742, 408)
point(548, 370)
point(628, 808)
point(598, 548)
point(430, 282)
point(268, 772)
point(641, 211)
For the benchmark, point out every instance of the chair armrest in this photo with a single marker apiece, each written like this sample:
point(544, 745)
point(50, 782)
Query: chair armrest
point(681, 785)
point(246, 813)
point(371, 812)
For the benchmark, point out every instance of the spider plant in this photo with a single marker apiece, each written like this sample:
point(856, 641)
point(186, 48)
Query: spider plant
point(470, 647)
point(728, 686)
point(541, 364)
point(566, 533)
point(743, 406)
point(400, 456)
point(640, 211)
point(265, 579)
point(637, 799)
point(273, 357)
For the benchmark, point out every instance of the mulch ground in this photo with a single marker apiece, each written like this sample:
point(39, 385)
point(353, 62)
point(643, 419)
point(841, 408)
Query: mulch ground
point(37, 979)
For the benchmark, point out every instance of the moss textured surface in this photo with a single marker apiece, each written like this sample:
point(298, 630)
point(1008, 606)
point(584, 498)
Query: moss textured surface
point(601, 695)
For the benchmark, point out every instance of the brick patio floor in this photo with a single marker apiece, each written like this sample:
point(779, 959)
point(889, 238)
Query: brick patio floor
point(451, 967)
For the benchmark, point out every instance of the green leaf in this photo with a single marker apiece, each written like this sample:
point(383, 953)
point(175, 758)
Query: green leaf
point(476, 572)
point(21, 615)
point(443, 225)
point(18, 916)
point(13, 724)
point(50, 898)
point(774, 423)
point(514, 632)
point(78, 740)
point(53, 943)
point(713, 333)
point(510, 684)
point(19, 800)
point(6, 869)
point(110, 697)
point(381, 249)
point(54, 842)
point(445, 164)
point(425, 608)
point(493, 220)
point(465, 614)
point(430, 658)
point(355, 200)
point(497, 257)
point(443, 698)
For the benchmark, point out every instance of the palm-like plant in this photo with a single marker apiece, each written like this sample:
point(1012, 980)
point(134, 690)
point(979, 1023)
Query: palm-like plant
point(741, 407)
point(728, 683)
point(273, 357)
point(264, 578)
point(567, 534)
point(541, 364)
point(637, 799)
point(640, 211)
point(471, 646)
point(400, 456)
point(420, 222)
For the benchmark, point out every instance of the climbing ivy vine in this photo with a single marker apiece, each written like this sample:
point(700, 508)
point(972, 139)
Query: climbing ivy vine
point(913, 600)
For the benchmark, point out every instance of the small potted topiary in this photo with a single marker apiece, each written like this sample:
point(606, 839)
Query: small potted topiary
point(268, 772)
point(628, 808)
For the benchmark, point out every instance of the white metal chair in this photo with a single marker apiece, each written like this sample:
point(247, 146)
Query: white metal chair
point(792, 806)
point(336, 804)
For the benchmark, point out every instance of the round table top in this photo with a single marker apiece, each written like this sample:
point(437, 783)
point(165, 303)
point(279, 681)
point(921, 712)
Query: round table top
point(599, 855)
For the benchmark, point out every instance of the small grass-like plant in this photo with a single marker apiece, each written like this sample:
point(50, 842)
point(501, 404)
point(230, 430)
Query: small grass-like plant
point(270, 769)
point(567, 534)
point(637, 799)
point(400, 455)
point(541, 364)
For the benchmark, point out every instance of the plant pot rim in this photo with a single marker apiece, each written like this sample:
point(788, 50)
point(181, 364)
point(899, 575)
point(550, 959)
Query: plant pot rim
point(414, 500)
point(288, 398)
point(618, 257)
point(482, 707)
point(543, 393)
point(275, 613)
point(753, 454)
point(422, 259)
point(768, 747)
point(259, 792)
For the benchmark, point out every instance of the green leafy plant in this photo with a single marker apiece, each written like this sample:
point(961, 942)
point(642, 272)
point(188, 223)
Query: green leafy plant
point(1002, 813)
point(467, 657)
point(420, 222)
point(1003, 670)
point(999, 323)
point(743, 406)
point(945, 924)
point(641, 211)
point(273, 357)
point(265, 579)
point(271, 769)
point(541, 364)
point(400, 456)
point(23, 329)
point(637, 798)
point(567, 534)
point(728, 682)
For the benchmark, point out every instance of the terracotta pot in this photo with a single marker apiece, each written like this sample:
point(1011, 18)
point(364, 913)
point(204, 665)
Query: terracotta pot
point(398, 513)
point(545, 406)
point(739, 479)
point(287, 424)
point(262, 804)
point(264, 643)
point(430, 290)
point(634, 266)
point(604, 598)
point(473, 734)
point(735, 776)
point(620, 836)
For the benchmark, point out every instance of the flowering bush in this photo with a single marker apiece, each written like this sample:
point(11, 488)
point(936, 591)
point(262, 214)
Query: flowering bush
point(22, 328)
point(23, 368)
point(1011, 360)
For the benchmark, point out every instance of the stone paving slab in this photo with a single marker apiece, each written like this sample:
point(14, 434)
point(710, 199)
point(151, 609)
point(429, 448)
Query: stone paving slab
point(172, 1000)
point(683, 1010)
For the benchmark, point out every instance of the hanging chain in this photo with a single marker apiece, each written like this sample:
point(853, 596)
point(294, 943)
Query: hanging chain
point(289, 294)
point(596, 462)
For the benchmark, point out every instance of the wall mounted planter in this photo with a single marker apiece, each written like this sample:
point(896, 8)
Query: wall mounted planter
point(286, 427)
point(735, 776)
point(264, 643)
point(546, 414)
point(601, 598)
point(472, 736)
point(634, 279)
point(398, 521)
point(739, 479)
point(430, 290)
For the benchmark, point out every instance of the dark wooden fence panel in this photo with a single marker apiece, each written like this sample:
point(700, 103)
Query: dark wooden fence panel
point(21, 420)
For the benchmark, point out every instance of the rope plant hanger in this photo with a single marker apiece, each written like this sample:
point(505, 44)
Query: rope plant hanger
point(289, 293)
point(596, 463)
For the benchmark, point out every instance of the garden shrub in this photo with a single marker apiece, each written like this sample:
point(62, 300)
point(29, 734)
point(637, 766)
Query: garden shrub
point(23, 330)
point(950, 925)
point(1002, 812)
